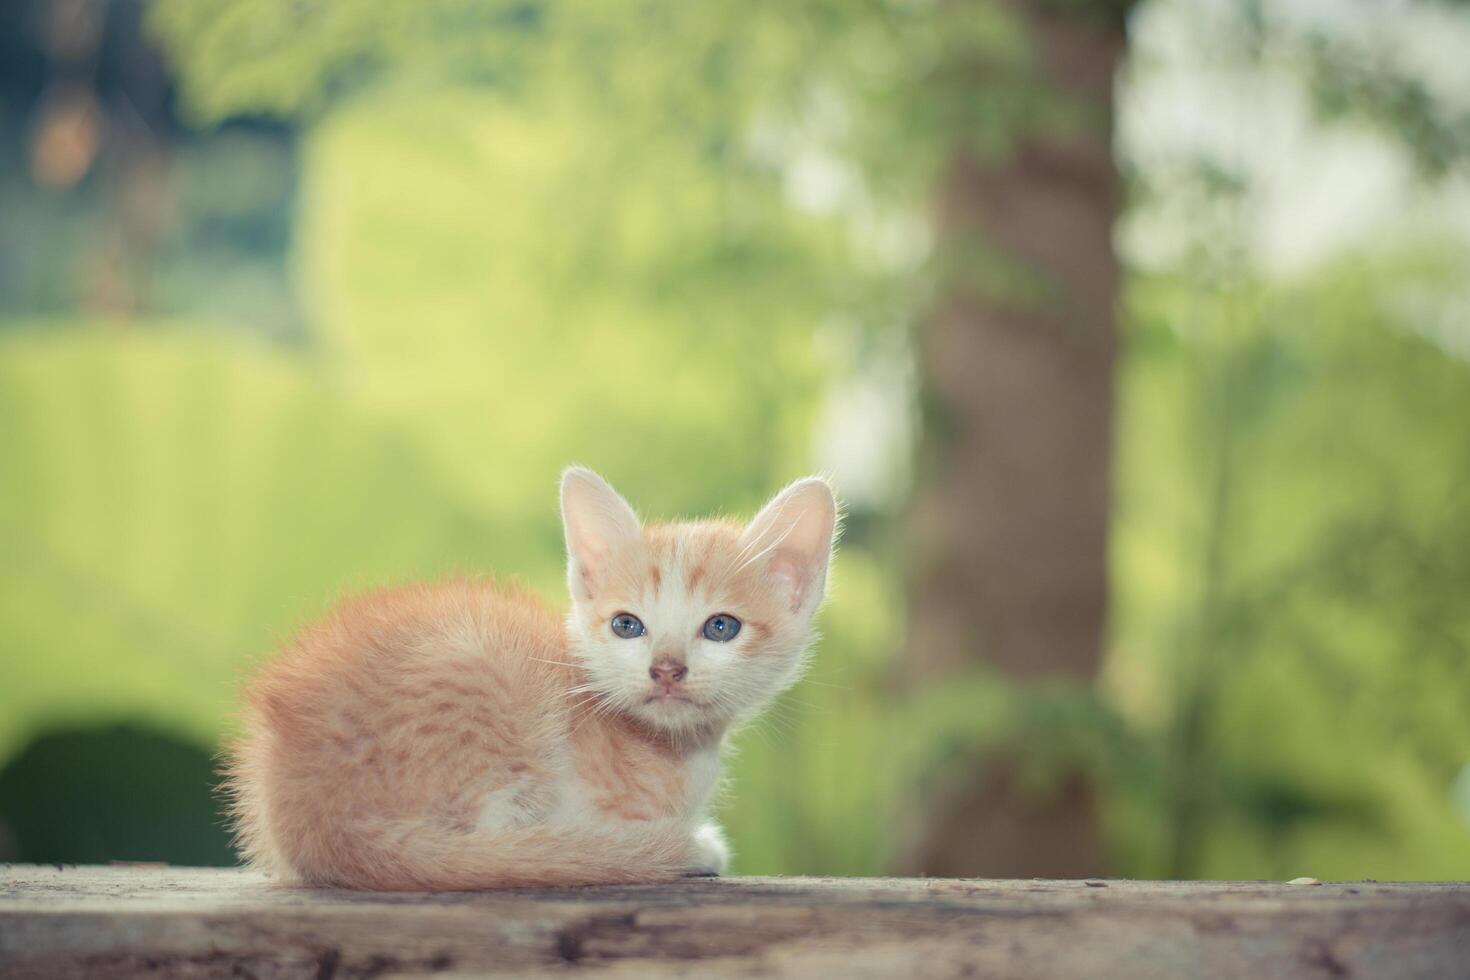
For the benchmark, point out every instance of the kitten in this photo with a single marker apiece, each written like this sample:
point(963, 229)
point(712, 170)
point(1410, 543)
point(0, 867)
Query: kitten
point(462, 736)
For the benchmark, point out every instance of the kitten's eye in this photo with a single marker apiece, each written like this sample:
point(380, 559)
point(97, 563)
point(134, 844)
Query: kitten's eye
point(627, 625)
point(721, 627)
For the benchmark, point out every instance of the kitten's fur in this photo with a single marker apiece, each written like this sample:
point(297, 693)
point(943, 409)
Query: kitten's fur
point(462, 736)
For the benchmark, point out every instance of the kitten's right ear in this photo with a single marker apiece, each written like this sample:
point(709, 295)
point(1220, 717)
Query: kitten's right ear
point(794, 536)
point(596, 521)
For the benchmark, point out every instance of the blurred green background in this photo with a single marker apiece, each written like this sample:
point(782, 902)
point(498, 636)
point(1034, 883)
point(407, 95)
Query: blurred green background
point(1165, 304)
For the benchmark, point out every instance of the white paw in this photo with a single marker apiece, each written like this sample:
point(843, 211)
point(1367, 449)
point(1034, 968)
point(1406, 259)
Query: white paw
point(709, 852)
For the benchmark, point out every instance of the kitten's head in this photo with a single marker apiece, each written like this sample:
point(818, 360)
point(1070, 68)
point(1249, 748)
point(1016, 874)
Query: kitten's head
point(691, 626)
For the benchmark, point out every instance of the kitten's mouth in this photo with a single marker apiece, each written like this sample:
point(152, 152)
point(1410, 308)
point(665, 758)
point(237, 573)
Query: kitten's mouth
point(667, 697)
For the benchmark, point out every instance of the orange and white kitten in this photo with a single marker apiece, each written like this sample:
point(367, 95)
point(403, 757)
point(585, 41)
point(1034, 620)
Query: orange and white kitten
point(463, 735)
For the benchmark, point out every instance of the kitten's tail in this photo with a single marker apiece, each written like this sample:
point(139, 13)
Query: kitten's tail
point(403, 857)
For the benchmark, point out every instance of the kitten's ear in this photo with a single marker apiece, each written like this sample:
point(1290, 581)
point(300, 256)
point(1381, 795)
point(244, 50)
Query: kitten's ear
point(794, 535)
point(596, 521)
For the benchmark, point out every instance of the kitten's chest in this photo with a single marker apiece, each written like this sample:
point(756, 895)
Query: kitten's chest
point(617, 777)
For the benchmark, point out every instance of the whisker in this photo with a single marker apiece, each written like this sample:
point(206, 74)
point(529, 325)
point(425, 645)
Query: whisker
point(835, 687)
point(768, 724)
point(756, 728)
point(601, 704)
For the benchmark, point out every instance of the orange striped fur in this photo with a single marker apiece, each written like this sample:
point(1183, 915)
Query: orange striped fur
point(462, 735)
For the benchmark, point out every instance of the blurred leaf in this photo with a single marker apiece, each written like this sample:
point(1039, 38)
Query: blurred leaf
point(174, 505)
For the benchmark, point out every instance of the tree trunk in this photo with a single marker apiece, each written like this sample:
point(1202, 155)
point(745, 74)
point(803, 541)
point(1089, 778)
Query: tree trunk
point(1010, 514)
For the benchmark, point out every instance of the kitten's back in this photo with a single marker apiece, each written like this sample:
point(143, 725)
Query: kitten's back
point(401, 702)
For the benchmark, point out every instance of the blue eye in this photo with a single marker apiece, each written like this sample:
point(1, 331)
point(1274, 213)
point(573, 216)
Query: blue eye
point(721, 627)
point(627, 625)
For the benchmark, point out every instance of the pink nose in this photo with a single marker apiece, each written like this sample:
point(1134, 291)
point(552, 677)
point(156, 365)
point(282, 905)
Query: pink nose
point(668, 674)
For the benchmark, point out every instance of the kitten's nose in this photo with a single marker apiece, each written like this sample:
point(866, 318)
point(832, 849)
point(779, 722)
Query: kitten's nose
point(667, 672)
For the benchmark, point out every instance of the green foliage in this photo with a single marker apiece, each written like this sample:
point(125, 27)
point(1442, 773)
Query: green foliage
point(285, 59)
point(1290, 560)
point(174, 503)
point(524, 247)
point(111, 793)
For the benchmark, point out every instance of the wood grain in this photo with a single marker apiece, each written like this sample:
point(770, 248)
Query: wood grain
point(176, 922)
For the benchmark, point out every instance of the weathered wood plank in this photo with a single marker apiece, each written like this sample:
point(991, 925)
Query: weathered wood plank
point(75, 922)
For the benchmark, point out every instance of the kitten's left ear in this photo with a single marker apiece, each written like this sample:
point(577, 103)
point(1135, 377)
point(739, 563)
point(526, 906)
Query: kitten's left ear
point(596, 521)
point(795, 534)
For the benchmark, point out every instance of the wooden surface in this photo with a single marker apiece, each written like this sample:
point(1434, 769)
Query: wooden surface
point(95, 922)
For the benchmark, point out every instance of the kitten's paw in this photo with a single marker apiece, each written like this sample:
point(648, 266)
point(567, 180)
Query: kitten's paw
point(709, 854)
